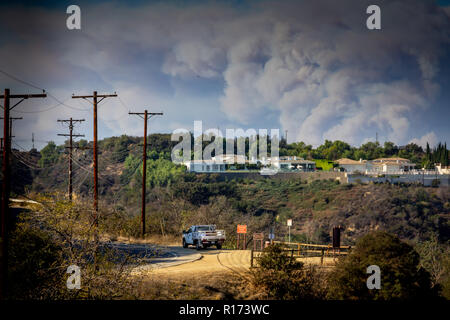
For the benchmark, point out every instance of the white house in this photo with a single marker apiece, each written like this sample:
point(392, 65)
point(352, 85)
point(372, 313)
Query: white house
point(205, 166)
point(380, 165)
point(392, 165)
point(443, 169)
point(292, 163)
point(230, 158)
point(350, 165)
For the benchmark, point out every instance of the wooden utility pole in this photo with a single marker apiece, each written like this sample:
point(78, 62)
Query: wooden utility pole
point(144, 115)
point(70, 147)
point(6, 170)
point(94, 97)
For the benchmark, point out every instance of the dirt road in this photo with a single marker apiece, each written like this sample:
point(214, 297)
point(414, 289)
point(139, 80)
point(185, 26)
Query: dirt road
point(187, 262)
point(190, 262)
point(205, 274)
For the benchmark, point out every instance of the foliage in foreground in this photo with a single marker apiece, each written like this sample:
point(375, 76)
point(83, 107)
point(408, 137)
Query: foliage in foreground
point(280, 276)
point(401, 276)
point(435, 258)
point(54, 236)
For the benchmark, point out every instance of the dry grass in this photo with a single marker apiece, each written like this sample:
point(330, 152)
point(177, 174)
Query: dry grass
point(211, 286)
point(167, 240)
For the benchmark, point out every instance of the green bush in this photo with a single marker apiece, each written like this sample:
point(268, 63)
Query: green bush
point(401, 276)
point(34, 265)
point(281, 276)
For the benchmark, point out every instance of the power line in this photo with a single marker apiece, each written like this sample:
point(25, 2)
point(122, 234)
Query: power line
point(39, 111)
point(21, 81)
point(32, 165)
point(43, 90)
point(66, 105)
point(82, 180)
point(28, 164)
point(24, 163)
point(123, 104)
point(11, 119)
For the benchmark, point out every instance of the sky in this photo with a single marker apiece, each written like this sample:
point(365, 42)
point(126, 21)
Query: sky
point(309, 67)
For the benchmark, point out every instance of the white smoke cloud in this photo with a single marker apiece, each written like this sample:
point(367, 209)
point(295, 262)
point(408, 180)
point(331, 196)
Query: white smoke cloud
point(429, 138)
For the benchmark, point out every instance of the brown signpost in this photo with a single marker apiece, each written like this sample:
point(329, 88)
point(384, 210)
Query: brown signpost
point(258, 238)
point(337, 237)
point(241, 229)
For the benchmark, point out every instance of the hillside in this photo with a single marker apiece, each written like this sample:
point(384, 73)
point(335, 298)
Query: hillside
point(177, 199)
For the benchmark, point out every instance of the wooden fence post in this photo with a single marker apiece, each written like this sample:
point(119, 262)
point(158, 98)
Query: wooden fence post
point(245, 241)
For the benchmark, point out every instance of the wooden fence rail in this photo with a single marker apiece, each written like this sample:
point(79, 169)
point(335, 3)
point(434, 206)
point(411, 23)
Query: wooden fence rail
point(304, 250)
point(315, 248)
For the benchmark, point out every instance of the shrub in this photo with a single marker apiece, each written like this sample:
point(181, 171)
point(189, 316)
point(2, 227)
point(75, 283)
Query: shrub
point(34, 265)
point(50, 238)
point(435, 183)
point(435, 258)
point(401, 276)
point(281, 276)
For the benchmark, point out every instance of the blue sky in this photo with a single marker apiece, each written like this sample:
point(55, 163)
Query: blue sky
point(309, 67)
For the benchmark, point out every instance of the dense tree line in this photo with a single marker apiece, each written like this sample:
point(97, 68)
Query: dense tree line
point(161, 145)
point(437, 155)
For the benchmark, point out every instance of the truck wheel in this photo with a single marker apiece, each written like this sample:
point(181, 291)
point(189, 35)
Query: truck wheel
point(185, 245)
point(218, 246)
point(197, 245)
point(205, 246)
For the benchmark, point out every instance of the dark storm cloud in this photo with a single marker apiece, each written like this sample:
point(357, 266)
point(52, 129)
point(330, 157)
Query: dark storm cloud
point(312, 66)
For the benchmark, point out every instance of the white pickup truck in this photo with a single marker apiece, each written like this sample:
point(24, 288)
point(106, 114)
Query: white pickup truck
point(203, 236)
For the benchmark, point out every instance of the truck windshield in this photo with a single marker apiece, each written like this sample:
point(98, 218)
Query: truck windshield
point(205, 228)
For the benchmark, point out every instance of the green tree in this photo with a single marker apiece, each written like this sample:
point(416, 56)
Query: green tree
point(401, 275)
point(333, 150)
point(369, 151)
point(390, 149)
point(412, 152)
point(49, 155)
point(162, 172)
